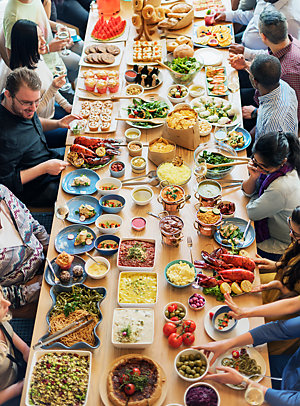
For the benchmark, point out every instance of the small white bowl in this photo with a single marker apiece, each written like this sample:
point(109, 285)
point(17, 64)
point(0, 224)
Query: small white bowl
point(132, 134)
point(89, 262)
point(137, 152)
point(134, 86)
point(135, 168)
point(109, 217)
point(202, 384)
point(176, 100)
point(141, 202)
point(82, 125)
point(190, 351)
point(196, 90)
point(205, 127)
point(110, 181)
point(178, 304)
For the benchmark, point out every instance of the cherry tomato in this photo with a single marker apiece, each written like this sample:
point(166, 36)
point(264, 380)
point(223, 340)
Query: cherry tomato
point(211, 315)
point(136, 371)
point(129, 389)
point(235, 354)
point(188, 338)
point(169, 328)
point(171, 309)
point(174, 318)
point(123, 378)
point(175, 340)
point(189, 326)
point(175, 307)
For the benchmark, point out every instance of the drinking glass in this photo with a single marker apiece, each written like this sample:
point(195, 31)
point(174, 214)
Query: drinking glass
point(254, 396)
point(61, 211)
point(61, 70)
point(108, 7)
point(62, 34)
point(200, 170)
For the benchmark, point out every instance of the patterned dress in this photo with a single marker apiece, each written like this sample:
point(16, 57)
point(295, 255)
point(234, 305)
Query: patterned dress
point(21, 263)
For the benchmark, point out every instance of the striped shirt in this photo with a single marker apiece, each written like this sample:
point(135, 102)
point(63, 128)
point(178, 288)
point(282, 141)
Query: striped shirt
point(277, 111)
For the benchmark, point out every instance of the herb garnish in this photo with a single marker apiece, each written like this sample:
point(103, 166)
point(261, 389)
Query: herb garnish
point(139, 381)
point(137, 252)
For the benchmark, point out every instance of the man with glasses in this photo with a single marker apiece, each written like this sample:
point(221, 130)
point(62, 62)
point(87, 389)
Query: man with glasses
point(27, 166)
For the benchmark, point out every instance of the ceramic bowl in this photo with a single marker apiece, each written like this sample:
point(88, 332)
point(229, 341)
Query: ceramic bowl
point(108, 218)
point(90, 262)
point(179, 305)
point(112, 210)
point(134, 88)
point(223, 309)
point(138, 168)
point(135, 152)
point(186, 403)
point(117, 174)
point(193, 353)
point(114, 182)
point(107, 237)
point(132, 134)
point(140, 201)
point(176, 100)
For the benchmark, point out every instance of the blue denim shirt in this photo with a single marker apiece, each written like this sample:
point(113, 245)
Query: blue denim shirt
point(289, 395)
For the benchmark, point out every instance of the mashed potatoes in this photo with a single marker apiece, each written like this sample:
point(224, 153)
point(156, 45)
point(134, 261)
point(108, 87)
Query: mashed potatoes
point(181, 273)
point(174, 175)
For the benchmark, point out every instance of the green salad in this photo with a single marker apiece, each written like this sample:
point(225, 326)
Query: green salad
point(184, 65)
point(147, 110)
point(215, 158)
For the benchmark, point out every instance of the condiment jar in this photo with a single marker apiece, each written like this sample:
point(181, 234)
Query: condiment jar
point(208, 193)
point(172, 205)
point(171, 230)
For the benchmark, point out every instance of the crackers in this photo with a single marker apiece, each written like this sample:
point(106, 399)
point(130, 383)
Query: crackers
point(101, 54)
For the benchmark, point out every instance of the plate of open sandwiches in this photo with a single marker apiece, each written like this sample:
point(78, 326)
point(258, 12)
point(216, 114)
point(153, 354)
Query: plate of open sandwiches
point(76, 239)
point(218, 36)
point(83, 209)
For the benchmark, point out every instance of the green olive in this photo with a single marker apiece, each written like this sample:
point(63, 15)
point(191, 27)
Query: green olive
point(177, 312)
point(196, 376)
point(179, 364)
point(192, 357)
point(181, 315)
point(167, 313)
point(183, 367)
point(192, 364)
point(172, 314)
point(198, 369)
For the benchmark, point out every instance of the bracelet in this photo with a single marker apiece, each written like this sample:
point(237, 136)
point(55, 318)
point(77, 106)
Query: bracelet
point(48, 49)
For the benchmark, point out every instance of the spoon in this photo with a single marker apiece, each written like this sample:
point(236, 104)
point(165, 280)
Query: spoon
point(153, 182)
point(56, 280)
point(265, 376)
point(93, 259)
point(190, 245)
point(150, 174)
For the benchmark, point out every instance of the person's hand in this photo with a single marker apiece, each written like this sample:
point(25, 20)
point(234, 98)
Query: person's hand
point(65, 121)
point(18, 387)
point(68, 109)
point(236, 48)
point(55, 166)
point(261, 288)
point(220, 17)
point(217, 348)
point(57, 45)
point(229, 375)
point(59, 81)
point(70, 42)
point(254, 172)
point(238, 62)
point(236, 312)
point(265, 264)
point(247, 110)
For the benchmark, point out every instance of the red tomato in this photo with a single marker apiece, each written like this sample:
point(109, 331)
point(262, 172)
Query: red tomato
point(171, 309)
point(175, 340)
point(189, 326)
point(169, 328)
point(188, 338)
point(174, 318)
point(136, 371)
point(129, 389)
point(175, 306)
point(124, 378)
point(211, 315)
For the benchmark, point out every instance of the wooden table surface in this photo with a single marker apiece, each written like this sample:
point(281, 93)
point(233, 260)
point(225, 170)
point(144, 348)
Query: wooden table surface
point(159, 350)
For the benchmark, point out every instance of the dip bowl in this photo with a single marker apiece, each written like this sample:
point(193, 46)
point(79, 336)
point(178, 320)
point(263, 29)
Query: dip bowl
point(232, 324)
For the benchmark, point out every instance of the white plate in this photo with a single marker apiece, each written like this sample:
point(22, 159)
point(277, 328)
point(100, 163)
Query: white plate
point(241, 327)
point(201, 13)
point(129, 54)
point(232, 124)
point(126, 103)
point(253, 353)
point(37, 355)
point(211, 57)
point(121, 38)
point(160, 78)
point(117, 62)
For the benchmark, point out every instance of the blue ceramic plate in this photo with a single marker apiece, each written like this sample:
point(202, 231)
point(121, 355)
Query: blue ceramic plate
point(80, 190)
point(62, 243)
point(77, 261)
point(241, 223)
point(76, 202)
point(247, 138)
point(56, 290)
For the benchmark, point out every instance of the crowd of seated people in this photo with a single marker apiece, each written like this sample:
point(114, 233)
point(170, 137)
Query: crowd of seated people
point(35, 114)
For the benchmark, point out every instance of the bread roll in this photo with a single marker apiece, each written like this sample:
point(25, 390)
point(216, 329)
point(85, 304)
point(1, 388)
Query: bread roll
point(182, 51)
point(171, 45)
point(181, 8)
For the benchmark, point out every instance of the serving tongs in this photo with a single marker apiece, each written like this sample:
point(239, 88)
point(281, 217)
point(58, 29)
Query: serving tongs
point(71, 328)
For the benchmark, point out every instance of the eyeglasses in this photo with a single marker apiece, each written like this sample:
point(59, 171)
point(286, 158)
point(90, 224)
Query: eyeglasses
point(258, 165)
point(294, 234)
point(28, 103)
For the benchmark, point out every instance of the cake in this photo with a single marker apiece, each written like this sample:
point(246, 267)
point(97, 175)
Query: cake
point(131, 370)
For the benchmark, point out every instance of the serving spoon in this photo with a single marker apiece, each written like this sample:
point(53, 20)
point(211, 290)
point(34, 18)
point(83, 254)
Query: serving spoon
point(150, 174)
point(155, 120)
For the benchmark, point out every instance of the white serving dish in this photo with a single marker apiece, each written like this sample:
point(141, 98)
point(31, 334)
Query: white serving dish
point(37, 355)
point(134, 85)
point(110, 180)
point(137, 133)
point(117, 61)
point(138, 305)
point(98, 259)
point(109, 217)
point(139, 344)
point(176, 100)
point(189, 351)
point(137, 268)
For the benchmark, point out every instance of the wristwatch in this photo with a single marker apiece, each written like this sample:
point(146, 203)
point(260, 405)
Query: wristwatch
point(254, 113)
point(244, 383)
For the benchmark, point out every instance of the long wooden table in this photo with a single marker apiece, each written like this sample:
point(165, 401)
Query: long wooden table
point(159, 350)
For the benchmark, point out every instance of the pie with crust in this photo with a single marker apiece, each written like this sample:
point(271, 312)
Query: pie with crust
point(148, 384)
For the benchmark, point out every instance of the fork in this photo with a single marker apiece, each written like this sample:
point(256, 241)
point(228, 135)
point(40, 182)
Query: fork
point(264, 376)
point(56, 280)
point(190, 245)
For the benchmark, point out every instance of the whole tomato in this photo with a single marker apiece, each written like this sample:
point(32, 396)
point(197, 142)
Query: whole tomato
point(189, 326)
point(175, 340)
point(136, 371)
point(169, 328)
point(188, 338)
point(129, 389)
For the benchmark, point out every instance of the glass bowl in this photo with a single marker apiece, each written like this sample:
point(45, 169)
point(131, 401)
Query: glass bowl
point(184, 78)
point(221, 148)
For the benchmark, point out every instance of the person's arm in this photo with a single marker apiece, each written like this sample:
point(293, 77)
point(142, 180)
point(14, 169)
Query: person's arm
point(249, 185)
point(64, 122)
point(277, 309)
point(47, 7)
point(21, 346)
point(268, 204)
point(11, 392)
point(52, 92)
point(235, 4)
point(52, 167)
point(282, 397)
point(239, 16)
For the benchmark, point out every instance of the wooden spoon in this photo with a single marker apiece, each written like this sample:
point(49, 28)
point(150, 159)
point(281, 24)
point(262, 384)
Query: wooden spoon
point(142, 120)
point(211, 166)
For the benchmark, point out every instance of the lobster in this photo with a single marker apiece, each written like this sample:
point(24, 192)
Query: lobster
point(238, 261)
point(94, 143)
point(84, 151)
point(89, 156)
point(207, 281)
point(236, 275)
point(220, 258)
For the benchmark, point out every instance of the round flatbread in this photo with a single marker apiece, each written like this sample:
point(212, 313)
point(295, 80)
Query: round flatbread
point(113, 49)
point(108, 59)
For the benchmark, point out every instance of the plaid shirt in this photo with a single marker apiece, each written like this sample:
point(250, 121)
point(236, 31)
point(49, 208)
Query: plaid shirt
point(289, 58)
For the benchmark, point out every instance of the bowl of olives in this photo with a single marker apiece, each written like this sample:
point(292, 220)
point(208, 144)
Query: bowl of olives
point(175, 312)
point(191, 365)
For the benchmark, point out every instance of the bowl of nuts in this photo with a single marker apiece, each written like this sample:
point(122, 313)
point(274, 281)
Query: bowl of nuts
point(205, 128)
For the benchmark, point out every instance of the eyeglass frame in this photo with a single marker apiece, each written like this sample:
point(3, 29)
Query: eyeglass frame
point(294, 234)
point(258, 165)
point(28, 103)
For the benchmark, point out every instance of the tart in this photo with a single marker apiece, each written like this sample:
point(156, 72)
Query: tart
point(84, 113)
point(93, 125)
point(64, 260)
point(105, 126)
point(96, 111)
point(147, 393)
point(86, 105)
